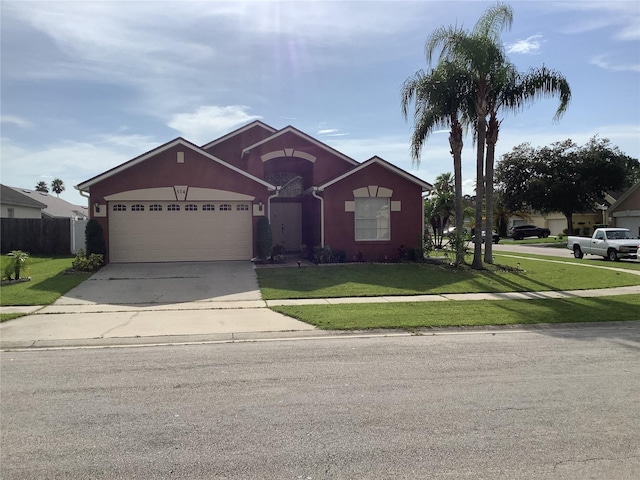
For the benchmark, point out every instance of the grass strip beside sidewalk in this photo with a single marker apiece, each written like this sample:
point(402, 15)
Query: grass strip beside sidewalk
point(413, 315)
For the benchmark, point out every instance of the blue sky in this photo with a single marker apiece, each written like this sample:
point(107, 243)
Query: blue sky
point(89, 85)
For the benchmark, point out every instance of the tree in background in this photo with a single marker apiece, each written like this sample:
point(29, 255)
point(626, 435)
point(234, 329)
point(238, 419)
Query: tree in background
point(563, 177)
point(439, 207)
point(57, 186)
point(42, 187)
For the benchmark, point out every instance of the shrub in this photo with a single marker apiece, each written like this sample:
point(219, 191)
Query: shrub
point(322, 254)
point(82, 263)
point(18, 261)
point(94, 238)
point(263, 238)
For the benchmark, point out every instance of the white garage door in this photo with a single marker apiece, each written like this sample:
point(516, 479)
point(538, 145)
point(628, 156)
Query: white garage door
point(179, 231)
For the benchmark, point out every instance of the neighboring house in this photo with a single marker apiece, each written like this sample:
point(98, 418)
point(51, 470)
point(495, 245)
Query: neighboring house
point(583, 223)
point(55, 207)
point(181, 202)
point(14, 204)
point(625, 211)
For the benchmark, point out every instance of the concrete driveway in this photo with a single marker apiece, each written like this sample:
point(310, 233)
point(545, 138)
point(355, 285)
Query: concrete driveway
point(167, 283)
point(153, 303)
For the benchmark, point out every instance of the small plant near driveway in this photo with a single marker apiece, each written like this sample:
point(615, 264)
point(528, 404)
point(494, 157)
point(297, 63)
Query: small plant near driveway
point(16, 266)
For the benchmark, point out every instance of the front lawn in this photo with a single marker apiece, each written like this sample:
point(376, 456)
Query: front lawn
point(48, 282)
point(415, 315)
point(368, 280)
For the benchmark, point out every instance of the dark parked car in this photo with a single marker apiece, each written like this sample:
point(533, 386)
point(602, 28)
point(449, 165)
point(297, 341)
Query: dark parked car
point(495, 238)
point(523, 231)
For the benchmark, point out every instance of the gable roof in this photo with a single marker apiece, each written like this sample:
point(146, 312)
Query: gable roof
point(295, 131)
point(86, 185)
point(624, 196)
point(11, 196)
point(249, 126)
point(54, 207)
point(379, 161)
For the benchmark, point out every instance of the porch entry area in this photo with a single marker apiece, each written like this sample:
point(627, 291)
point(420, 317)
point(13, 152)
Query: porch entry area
point(286, 225)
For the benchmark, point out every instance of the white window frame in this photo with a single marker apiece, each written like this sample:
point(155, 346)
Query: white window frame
point(374, 214)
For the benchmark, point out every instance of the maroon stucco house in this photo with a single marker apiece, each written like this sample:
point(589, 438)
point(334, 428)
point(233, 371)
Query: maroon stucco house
point(182, 202)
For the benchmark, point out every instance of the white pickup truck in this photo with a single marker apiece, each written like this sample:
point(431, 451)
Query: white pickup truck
point(610, 243)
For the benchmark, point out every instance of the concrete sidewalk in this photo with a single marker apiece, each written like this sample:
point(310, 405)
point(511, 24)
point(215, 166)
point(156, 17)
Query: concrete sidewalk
point(99, 324)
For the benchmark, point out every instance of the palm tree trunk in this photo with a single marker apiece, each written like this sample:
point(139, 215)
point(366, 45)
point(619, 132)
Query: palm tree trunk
point(482, 134)
point(492, 138)
point(455, 142)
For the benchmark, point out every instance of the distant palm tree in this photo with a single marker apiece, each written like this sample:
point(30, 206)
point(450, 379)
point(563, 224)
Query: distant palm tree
point(42, 187)
point(57, 186)
point(480, 54)
point(443, 99)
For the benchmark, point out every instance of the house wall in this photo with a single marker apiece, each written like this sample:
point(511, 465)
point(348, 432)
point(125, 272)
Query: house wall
point(325, 166)
point(230, 150)
point(406, 224)
point(163, 170)
point(627, 214)
point(583, 223)
point(20, 211)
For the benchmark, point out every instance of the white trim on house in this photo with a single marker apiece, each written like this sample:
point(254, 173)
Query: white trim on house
point(303, 135)
point(425, 186)
point(85, 186)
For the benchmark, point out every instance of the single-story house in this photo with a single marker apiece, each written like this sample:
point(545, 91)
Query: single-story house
point(16, 204)
point(625, 211)
point(183, 202)
point(55, 207)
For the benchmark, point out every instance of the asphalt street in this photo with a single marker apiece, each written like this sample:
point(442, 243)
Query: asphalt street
point(547, 403)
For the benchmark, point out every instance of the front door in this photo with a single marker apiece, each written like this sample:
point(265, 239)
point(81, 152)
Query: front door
point(286, 225)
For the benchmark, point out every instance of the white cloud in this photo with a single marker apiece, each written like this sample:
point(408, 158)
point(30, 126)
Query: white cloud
point(529, 46)
point(17, 121)
point(603, 61)
point(210, 122)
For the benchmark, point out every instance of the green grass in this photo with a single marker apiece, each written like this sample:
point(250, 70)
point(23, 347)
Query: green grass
point(553, 241)
point(48, 282)
point(364, 280)
point(465, 313)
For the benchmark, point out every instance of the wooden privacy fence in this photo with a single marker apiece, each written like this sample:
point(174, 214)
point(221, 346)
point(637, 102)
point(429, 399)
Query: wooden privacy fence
point(37, 236)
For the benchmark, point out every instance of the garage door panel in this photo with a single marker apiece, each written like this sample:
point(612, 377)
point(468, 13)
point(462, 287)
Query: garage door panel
point(160, 236)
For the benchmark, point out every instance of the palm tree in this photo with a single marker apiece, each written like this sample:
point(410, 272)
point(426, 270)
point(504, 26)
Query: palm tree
point(442, 99)
point(57, 186)
point(480, 54)
point(512, 91)
point(42, 187)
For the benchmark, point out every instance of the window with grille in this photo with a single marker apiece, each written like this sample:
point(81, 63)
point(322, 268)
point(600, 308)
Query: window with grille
point(137, 208)
point(190, 207)
point(173, 207)
point(155, 208)
point(118, 207)
point(225, 207)
point(207, 207)
point(242, 207)
point(372, 219)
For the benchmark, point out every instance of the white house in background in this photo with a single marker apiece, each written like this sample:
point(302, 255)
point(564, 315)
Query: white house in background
point(55, 207)
point(14, 204)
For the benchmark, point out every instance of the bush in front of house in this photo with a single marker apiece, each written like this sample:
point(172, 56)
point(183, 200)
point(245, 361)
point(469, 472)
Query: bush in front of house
point(94, 238)
point(87, 263)
point(263, 238)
